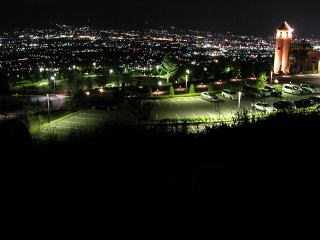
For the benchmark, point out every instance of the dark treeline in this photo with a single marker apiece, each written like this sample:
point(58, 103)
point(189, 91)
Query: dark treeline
point(122, 166)
point(155, 159)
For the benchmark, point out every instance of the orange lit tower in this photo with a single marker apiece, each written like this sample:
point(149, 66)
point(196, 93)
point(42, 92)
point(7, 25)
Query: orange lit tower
point(283, 44)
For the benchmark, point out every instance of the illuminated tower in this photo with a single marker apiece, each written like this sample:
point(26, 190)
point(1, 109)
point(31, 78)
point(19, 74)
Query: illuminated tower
point(281, 59)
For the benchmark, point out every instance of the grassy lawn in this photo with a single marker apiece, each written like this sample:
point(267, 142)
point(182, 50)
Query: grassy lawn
point(175, 96)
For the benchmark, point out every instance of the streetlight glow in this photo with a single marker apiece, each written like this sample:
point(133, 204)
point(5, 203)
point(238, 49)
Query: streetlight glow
point(187, 75)
point(53, 78)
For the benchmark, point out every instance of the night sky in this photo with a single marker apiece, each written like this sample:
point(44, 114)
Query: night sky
point(245, 16)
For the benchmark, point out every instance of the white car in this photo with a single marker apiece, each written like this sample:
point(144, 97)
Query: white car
point(230, 94)
point(263, 107)
point(308, 89)
point(211, 97)
point(291, 89)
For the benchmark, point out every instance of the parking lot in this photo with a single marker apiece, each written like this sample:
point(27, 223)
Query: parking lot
point(170, 108)
point(193, 107)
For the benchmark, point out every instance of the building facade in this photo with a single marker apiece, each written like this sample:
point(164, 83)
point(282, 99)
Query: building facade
point(283, 46)
point(294, 57)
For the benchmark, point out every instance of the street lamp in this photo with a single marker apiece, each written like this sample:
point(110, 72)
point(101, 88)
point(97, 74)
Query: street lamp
point(187, 75)
point(239, 100)
point(271, 76)
point(110, 71)
point(48, 101)
point(159, 84)
point(52, 78)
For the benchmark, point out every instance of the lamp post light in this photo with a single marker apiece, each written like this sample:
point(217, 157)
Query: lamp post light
point(187, 75)
point(110, 71)
point(157, 68)
point(53, 78)
point(239, 100)
point(74, 70)
point(159, 84)
point(48, 101)
point(94, 66)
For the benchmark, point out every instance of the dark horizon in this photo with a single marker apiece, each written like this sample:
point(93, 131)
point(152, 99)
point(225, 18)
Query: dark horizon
point(246, 17)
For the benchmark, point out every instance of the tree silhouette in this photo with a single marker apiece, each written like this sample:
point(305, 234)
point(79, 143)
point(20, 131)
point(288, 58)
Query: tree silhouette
point(192, 90)
point(171, 91)
point(169, 68)
point(262, 81)
point(4, 85)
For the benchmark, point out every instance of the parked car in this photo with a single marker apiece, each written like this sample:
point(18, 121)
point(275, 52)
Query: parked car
point(291, 89)
point(307, 89)
point(252, 92)
point(284, 105)
point(265, 93)
point(273, 91)
point(315, 100)
point(230, 94)
point(304, 103)
point(211, 97)
point(264, 107)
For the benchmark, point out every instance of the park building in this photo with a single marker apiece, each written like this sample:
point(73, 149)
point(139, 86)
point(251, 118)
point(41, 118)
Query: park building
point(294, 57)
